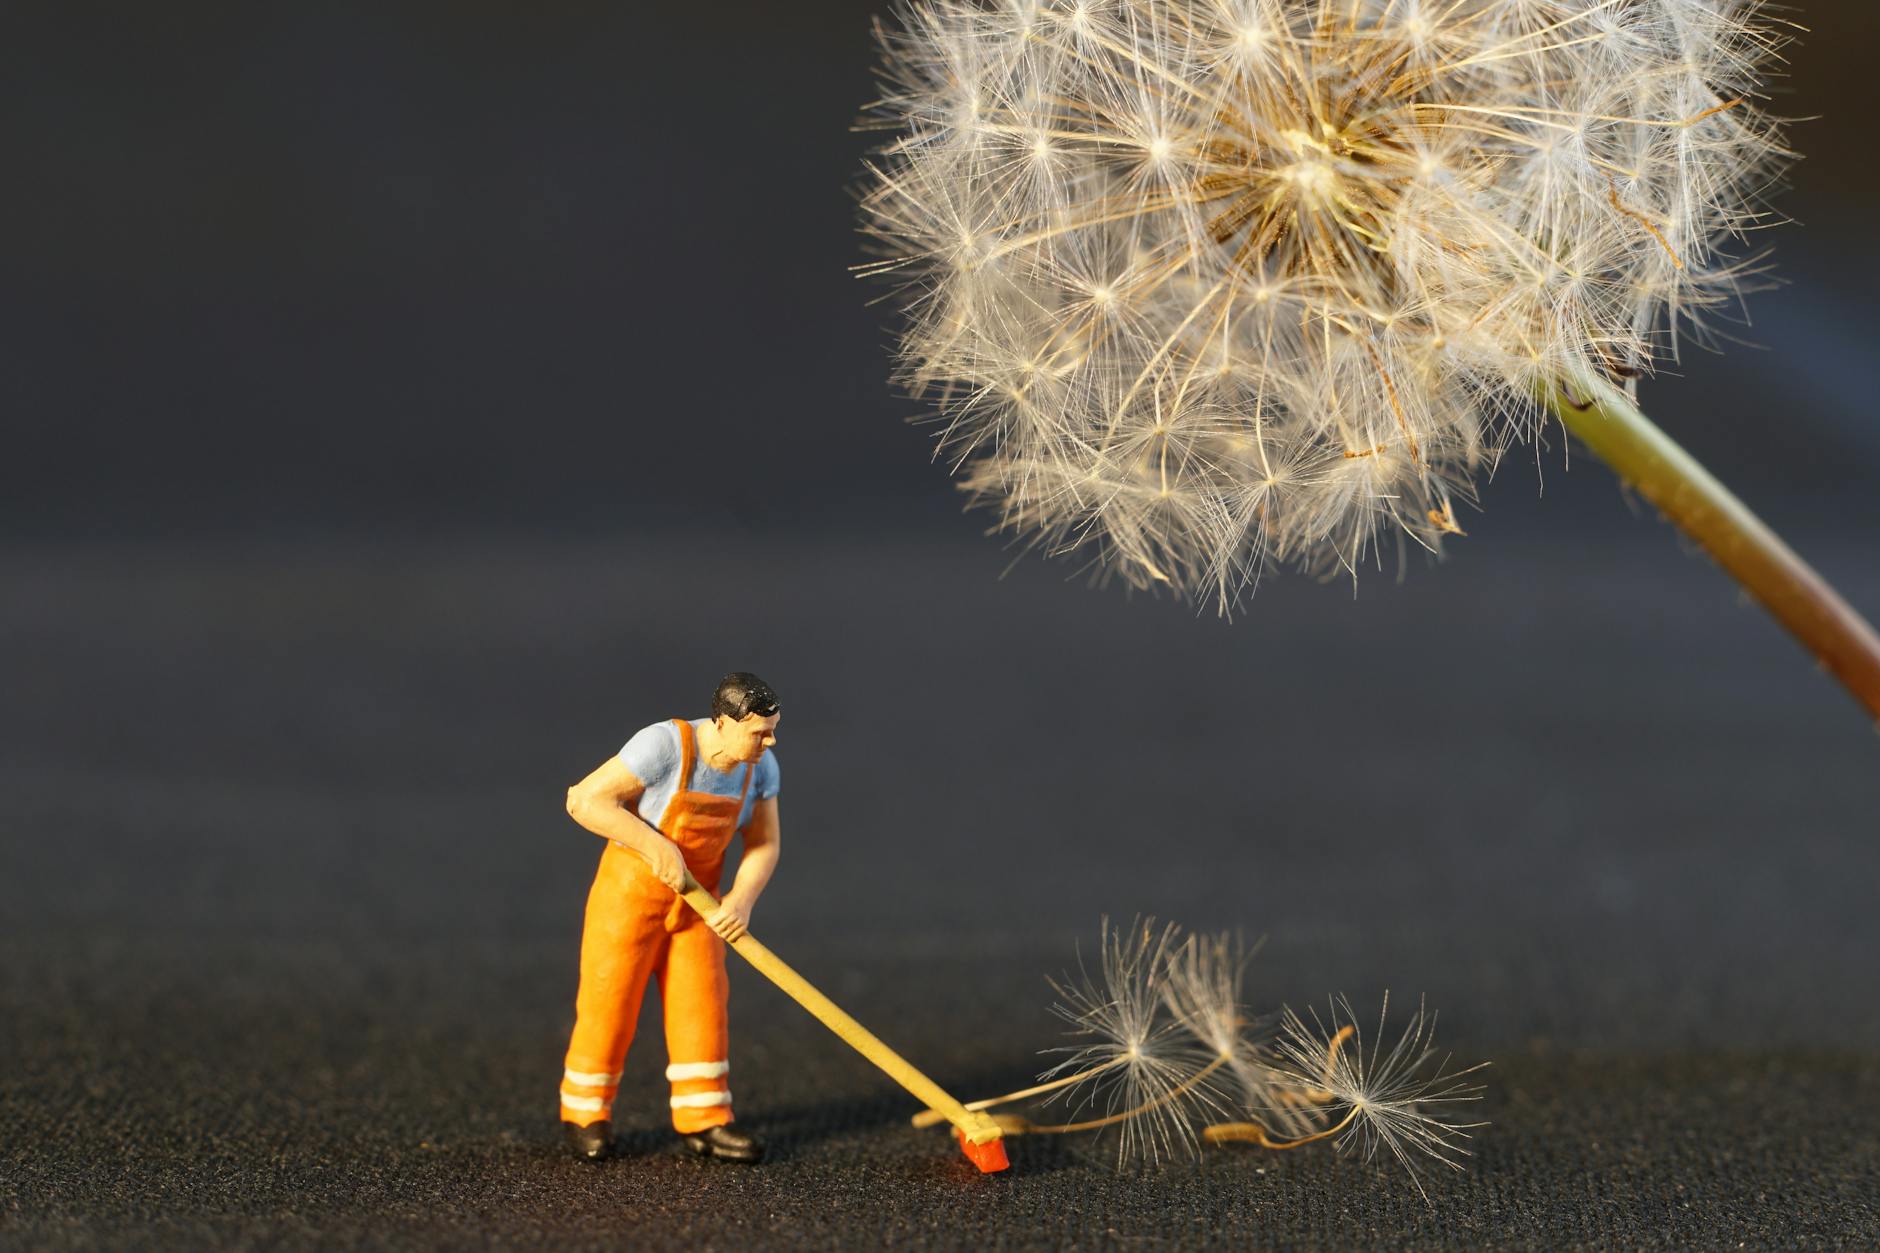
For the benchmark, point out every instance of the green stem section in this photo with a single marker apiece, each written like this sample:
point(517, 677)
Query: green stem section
point(1645, 457)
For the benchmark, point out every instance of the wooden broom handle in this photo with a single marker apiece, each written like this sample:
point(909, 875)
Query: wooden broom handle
point(976, 1127)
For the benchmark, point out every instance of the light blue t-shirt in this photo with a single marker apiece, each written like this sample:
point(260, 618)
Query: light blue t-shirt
point(653, 754)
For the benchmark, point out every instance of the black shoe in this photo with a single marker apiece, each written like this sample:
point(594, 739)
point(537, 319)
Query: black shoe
point(728, 1143)
point(590, 1143)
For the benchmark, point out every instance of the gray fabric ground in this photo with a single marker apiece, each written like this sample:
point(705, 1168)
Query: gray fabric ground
point(289, 911)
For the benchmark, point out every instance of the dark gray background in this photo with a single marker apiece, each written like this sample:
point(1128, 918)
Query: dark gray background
point(406, 403)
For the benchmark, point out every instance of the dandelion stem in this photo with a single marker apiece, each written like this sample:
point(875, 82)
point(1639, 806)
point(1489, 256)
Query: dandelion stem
point(1095, 1123)
point(1226, 1132)
point(1843, 642)
point(933, 1117)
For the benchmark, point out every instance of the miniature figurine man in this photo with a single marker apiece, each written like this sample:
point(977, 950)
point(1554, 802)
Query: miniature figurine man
point(671, 802)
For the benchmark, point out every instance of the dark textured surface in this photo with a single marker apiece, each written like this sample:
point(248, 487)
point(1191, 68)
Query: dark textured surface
point(290, 911)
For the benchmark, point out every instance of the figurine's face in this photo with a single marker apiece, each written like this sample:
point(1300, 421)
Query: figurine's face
point(748, 737)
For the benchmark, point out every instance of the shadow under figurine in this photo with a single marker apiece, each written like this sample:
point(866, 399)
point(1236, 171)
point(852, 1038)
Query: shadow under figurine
point(670, 802)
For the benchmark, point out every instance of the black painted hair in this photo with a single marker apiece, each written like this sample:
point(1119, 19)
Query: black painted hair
point(741, 694)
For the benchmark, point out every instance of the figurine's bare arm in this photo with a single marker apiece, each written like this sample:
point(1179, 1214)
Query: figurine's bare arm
point(600, 803)
point(763, 845)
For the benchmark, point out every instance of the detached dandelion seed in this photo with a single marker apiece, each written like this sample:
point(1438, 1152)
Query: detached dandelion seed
point(1133, 1072)
point(1402, 1098)
point(1203, 995)
point(1203, 287)
point(1168, 1048)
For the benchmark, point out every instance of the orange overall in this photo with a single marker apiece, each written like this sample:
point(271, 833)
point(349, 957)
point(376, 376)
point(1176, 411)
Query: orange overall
point(635, 926)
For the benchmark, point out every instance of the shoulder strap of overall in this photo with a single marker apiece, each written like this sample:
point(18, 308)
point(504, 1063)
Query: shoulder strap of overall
point(688, 753)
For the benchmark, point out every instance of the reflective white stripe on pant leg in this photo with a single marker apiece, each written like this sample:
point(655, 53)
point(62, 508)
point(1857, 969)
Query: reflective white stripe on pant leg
point(586, 1104)
point(697, 1070)
point(589, 1079)
point(699, 1100)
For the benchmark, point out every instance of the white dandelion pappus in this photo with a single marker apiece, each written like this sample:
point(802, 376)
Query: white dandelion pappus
point(1202, 992)
point(1401, 1098)
point(1171, 1052)
point(1136, 1073)
point(1210, 285)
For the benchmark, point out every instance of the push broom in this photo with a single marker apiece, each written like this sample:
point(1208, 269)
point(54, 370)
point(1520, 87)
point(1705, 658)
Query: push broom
point(978, 1134)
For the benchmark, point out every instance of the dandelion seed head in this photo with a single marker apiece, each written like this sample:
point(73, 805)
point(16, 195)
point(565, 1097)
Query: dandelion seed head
point(1354, 235)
